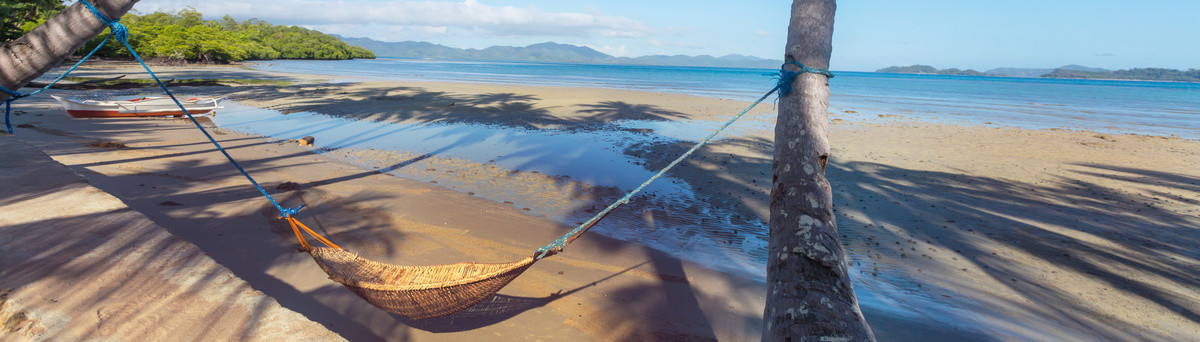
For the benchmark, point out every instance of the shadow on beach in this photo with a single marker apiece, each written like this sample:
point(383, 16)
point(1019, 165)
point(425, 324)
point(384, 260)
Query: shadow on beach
point(416, 104)
point(1091, 224)
point(176, 184)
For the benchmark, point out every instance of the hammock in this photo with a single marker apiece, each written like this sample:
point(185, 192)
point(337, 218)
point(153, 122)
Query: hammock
point(420, 292)
point(417, 292)
point(414, 291)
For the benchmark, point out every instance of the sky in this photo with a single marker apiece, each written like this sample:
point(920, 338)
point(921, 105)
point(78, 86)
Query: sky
point(868, 34)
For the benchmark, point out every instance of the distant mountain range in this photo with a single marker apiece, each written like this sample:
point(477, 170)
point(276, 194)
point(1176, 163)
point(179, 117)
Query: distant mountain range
point(1026, 72)
point(925, 69)
point(1067, 71)
point(550, 52)
point(1015, 72)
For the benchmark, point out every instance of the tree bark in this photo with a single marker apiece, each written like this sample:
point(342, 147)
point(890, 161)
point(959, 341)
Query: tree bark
point(809, 295)
point(48, 45)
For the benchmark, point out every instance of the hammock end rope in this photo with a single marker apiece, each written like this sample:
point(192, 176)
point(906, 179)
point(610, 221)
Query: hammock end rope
point(289, 212)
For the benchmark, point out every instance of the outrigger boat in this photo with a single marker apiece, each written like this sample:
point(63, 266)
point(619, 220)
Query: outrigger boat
point(152, 106)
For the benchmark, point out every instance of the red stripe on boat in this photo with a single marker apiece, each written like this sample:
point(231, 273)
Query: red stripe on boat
point(119, 114)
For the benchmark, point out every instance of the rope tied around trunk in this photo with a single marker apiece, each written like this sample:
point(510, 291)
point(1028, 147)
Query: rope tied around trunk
point(115, 30)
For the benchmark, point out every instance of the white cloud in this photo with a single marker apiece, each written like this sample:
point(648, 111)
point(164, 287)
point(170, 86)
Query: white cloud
point(469, 17)
point(385, 32)
point(762, 33)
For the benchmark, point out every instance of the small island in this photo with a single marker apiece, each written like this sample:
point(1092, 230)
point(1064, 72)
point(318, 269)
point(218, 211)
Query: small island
point(1068, 71)
point(1141, 74)
point(925, 69)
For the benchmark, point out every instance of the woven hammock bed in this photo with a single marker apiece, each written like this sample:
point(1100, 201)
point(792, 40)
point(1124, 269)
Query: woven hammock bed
point(420, 292)
point(417, 291)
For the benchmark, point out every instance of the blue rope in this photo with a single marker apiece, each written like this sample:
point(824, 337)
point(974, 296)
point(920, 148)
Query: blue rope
point(785, 83)
point(15, 95)
point(121, 33)
point(117, 27)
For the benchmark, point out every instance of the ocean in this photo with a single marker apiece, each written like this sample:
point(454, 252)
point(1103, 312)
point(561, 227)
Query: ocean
point(1142, 107)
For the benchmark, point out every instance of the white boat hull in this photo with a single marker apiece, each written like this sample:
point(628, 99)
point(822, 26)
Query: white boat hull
point(142, 107)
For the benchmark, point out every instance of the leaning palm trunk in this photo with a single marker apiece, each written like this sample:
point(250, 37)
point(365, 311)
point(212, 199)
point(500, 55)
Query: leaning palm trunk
point(809, 296)
point(44, 48)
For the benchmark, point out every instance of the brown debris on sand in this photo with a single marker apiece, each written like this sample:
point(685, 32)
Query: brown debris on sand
point(108, 144)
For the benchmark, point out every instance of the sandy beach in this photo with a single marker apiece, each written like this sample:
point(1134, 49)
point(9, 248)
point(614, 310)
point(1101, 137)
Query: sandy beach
point(952, 231)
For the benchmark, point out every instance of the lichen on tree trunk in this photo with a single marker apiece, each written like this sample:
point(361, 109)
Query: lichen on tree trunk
point(809, 295)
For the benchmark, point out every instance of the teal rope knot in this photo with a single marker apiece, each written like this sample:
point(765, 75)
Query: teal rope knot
point(289, 212)
point(119, 31)
point(786, 77)
point(555, 247)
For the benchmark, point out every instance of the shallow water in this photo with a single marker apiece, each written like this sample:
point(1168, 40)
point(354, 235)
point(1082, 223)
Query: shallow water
point(593, 158)
point(1144, 107)
point(668, 216)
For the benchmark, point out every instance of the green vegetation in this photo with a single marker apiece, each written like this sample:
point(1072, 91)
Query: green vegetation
point(185, 36)
point(20, 16)
point(1147, 74)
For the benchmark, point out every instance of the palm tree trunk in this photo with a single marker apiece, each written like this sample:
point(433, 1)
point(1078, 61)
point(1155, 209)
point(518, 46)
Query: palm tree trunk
point(44, 48)
point(809, 296)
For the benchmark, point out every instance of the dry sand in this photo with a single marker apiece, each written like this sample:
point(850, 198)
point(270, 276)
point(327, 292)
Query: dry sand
point(1011, 233)
point(78, 264)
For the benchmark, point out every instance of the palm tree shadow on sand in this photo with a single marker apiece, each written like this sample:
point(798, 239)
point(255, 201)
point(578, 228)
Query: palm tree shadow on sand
point(495, 309)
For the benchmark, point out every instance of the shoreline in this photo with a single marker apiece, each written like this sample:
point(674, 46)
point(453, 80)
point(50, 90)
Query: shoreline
point(971, 105)
point(877, 163)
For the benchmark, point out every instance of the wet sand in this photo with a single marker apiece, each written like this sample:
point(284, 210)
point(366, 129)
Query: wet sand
point(954, 231)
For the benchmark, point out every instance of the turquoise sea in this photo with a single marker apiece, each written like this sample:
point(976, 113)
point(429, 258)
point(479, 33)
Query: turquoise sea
point(1157, 108)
